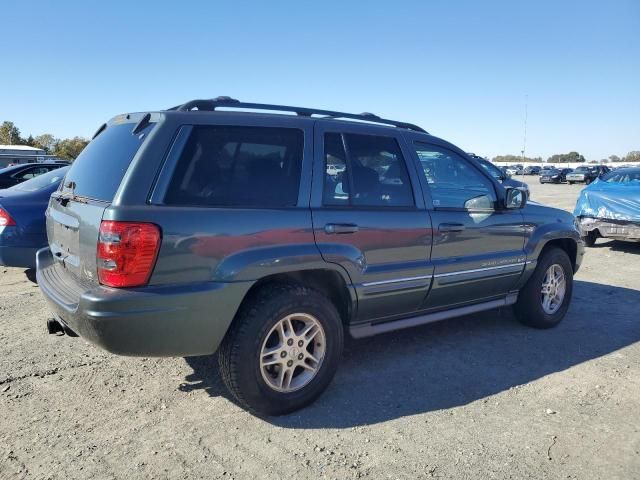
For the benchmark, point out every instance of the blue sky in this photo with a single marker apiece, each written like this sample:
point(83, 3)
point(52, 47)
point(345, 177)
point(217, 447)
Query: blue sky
point(460, 69)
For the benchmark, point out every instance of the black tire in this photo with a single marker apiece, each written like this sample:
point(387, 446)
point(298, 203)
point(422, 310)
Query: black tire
point(528, 308)
point(239, 354)
point(590, 238)
point(587, 181)
point(570, 183)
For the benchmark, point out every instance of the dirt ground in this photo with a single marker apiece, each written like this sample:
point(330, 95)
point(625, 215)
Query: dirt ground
point(477, 397)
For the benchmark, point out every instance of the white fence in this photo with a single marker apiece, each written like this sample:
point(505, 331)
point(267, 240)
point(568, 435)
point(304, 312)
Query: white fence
point(566, 165)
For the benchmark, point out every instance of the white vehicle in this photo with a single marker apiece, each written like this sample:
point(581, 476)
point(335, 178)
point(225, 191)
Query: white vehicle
point(335, 169)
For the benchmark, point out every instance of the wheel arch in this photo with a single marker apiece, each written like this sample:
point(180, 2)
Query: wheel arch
point(329, 282)
point(569, 245)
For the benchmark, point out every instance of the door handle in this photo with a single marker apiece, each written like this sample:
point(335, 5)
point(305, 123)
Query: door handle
point(451, 227)
point(337, 228)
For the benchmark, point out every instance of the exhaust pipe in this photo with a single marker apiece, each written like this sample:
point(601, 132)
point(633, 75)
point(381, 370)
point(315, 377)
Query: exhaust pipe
point(56, 327)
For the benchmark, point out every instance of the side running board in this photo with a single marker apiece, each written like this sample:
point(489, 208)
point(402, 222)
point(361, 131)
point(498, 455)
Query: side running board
point(370, 329)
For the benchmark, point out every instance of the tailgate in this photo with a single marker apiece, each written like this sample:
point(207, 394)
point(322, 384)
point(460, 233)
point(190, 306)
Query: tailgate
point(76, 209)
point(72, 230)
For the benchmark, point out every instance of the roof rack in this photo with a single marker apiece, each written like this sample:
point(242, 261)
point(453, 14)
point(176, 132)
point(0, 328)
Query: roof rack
point(211, 104)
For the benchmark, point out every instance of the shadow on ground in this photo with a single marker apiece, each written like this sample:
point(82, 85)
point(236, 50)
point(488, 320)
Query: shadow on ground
point(618, 245)
point(456, 362)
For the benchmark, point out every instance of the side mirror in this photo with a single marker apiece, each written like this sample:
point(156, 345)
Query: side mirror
point(515, 198)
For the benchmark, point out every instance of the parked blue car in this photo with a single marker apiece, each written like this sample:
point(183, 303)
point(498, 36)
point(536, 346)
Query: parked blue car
point(22, 220)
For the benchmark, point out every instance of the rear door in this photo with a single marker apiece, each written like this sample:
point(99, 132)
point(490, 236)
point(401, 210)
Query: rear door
point(367, 218)
point(75, 210)
point(478, 248)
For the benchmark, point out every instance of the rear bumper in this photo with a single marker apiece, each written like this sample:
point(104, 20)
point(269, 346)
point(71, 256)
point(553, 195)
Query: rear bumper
point(159, 321)
point(617, 229)
point(579, 179)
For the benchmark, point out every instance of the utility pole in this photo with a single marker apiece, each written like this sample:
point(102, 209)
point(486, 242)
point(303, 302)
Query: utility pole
point(524, 142)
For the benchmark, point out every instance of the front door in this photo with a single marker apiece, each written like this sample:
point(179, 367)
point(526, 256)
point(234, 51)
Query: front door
point(367, 218)
point(478, 247)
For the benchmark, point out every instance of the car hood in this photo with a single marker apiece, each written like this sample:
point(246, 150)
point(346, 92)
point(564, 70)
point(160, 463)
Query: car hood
point(551, 213)
point(613, 201)
point(510, 182)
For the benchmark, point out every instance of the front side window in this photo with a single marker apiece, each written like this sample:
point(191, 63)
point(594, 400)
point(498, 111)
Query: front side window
point(453, 182)
point(365, 170)
point(238, 167)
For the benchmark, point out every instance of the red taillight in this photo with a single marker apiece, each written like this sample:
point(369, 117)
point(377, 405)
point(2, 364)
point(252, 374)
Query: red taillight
point(127, 252)
point(5, 219)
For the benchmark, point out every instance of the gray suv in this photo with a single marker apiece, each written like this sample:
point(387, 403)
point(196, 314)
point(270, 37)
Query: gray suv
point(266, 236)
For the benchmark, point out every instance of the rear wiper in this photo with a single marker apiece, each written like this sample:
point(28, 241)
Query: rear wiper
point(63, 198)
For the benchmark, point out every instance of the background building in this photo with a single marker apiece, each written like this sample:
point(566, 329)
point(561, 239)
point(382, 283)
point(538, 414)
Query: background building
point(11, 154)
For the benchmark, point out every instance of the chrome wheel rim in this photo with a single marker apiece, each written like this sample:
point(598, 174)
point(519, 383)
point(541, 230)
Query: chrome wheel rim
point(554, 288)
point(292, 352)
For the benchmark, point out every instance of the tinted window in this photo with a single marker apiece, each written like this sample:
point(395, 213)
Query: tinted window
point(490, 168)
point(371, 171)
point(238, 166)
point(99, 169)
point(43, 181)
point(453, 182)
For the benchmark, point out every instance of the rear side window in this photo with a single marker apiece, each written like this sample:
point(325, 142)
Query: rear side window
point(238, 167)
point(370, 172)
point(99, 169)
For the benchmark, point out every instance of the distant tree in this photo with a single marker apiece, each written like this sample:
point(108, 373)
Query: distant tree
point(515, 159)
point(30, 141)
point(69, 148)
point(614, 158)
point(632, 156)
point(10, 134)
point(571, 157)
point(46, 141)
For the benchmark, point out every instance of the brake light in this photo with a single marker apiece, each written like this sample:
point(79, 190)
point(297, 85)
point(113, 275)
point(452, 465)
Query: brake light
point(127, 253)
point(5, 219)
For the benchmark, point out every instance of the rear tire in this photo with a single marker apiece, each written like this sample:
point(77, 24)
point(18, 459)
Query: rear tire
point(530, 308)
point(570, 183)
point(278, 383)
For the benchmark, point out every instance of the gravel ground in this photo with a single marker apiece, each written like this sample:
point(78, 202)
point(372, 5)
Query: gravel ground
point(476, 397)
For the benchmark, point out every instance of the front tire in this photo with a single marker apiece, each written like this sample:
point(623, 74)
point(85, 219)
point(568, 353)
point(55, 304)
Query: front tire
point(544, 300)
point(590, 238)
point(282, 349)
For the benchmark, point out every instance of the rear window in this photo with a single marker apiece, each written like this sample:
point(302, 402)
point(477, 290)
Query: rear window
point(99, 169)
point(238, 167)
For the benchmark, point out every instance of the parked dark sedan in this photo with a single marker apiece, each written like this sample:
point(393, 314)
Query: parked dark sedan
point(532, 170)
point(555, 175)
point(16, 174)
point(22, 220)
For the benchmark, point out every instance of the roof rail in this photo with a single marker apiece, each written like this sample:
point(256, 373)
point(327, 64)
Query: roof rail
point(211, 104)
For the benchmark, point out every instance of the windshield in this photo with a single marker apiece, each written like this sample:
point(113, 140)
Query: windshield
point(582, 170)
point(623, 176)
point(42, 181)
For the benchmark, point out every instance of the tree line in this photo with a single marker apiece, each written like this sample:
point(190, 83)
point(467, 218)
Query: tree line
point(571, 157)
point(64, 148)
